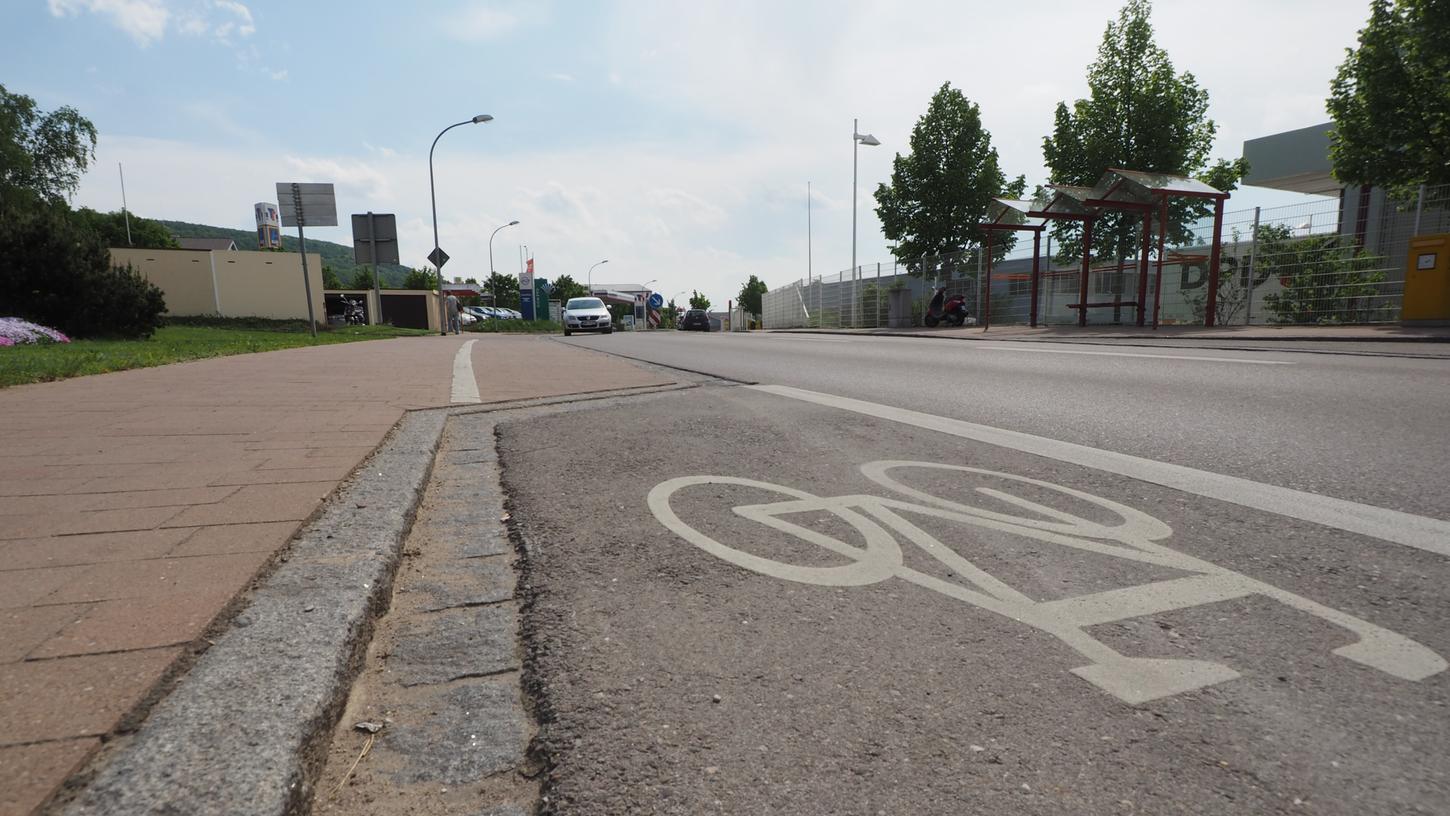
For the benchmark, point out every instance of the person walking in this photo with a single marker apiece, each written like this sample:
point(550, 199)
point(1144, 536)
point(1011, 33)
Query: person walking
point(451, 303)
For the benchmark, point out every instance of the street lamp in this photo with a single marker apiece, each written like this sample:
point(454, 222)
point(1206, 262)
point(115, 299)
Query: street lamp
point(490, 243)
point(857, 138)
point(438, 257)
point(591, 275)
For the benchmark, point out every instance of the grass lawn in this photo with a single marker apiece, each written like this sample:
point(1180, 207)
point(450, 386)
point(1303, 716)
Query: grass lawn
point(172, 344)
point(516, 327)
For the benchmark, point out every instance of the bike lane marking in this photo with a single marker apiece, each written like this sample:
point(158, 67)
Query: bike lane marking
point(1137, 537)
point(1420, 532)
point(465, 385)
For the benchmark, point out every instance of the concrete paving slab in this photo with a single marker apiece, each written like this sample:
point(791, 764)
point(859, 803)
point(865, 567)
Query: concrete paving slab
point(475, 730)
point(31, 771)
point(75, 696)
point(454, 644)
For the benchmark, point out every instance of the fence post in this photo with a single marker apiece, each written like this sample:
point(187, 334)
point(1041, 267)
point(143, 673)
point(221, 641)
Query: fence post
point(876, 317)
point(979, 283)
point(1253, 271)
point(1419, 207)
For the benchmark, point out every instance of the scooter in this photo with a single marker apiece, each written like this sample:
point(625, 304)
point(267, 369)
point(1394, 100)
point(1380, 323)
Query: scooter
point(952, 311)
point(354, 312)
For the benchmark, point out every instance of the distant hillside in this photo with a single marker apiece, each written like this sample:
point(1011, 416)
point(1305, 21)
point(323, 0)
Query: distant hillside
point(337, 256)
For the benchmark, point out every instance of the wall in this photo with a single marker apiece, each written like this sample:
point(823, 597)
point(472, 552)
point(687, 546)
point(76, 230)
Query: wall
point(231, 284)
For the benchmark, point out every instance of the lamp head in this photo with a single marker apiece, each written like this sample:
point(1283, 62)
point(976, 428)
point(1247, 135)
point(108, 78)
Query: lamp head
point(482, 117)
point(867, 139)
point(513, 223)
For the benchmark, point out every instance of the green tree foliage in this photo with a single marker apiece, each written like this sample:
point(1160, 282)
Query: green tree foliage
point(566, 287)
point(362, 278)
point(670, 315)
point(58, 273)
point(1139, 115)
point(940, 191)
point(420, 279)
point(330, 280)
point(504, 288)
point(111, 227)
point(750, 294)
point(1326, 278)
point(42, 155)
point(1390, 100)
point(699, 301)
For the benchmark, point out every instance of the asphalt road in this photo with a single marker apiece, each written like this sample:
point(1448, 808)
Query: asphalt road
point(1363, 428)
point(766, 600)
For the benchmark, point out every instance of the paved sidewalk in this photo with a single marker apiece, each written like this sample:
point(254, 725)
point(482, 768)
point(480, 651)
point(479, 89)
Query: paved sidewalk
point(1379, 333)
point(135, 506)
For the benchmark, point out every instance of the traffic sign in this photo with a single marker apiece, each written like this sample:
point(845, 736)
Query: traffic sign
point(438, 257)
point(656, 300)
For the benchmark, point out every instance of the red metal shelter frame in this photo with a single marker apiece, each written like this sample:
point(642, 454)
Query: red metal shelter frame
point(1011, 214)
point(1118, 189)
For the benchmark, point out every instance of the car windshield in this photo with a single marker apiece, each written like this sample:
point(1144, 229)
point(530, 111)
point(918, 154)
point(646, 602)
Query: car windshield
point(585, 303)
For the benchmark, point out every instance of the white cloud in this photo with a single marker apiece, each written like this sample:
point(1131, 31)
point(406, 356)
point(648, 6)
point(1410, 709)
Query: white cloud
point(480, 22)
point(279, 76)
point(143, 20)
point(562, 77)
point(244, 25)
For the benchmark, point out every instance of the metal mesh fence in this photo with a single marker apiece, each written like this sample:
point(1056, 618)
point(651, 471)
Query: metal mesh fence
point(1318, 262)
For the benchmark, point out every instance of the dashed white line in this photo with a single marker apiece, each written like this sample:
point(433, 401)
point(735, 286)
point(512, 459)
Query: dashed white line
point(465, 385)
point(1420, 532)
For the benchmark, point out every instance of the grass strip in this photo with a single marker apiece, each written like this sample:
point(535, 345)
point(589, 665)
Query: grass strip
point(182, 340)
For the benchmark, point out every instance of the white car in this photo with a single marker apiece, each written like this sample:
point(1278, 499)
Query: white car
point(586, 314)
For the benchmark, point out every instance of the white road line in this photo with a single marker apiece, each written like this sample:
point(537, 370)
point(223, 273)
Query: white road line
point(999, 346)
point(1420, 532)
point(465, 385)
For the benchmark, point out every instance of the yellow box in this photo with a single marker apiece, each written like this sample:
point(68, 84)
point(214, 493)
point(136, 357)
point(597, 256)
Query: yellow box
point(1427, 281)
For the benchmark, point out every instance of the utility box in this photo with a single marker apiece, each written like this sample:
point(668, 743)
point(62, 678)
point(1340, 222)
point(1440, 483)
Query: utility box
point(898, 308)
point(1427, 282)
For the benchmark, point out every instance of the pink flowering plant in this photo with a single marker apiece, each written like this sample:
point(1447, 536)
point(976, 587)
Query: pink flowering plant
point(17, 332)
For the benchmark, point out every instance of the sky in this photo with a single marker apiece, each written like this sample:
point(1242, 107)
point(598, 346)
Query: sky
point(676, 140)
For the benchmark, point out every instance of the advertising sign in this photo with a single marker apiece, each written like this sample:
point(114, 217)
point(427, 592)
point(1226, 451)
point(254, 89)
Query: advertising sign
point(269, 225)
point(526, 291)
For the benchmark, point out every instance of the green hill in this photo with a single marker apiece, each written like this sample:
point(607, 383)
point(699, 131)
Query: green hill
point(336, 256)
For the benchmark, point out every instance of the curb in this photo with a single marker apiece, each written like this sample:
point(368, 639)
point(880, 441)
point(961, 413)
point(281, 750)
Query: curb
point(1223, 343)
point(243, 731)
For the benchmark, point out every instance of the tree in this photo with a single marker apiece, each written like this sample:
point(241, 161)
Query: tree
point(330, 280)
point(42, 155)
point(58, 273)
point(1139, 115)
point(566, 287)
point(362, 278)
point(1325, 278)
point(1390, 101)
point(940, 191)
point(505, 289)
point(670, 315)
point(750, 295)
point(419, 279)
point(111, 227)
point(699, 301)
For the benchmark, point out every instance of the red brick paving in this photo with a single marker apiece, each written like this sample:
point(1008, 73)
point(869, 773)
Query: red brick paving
point(134, 506)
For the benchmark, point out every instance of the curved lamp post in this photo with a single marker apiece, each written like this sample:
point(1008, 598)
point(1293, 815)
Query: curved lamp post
point(491, 271)
point(857, 138)
point(590, 276)
point(433, 199)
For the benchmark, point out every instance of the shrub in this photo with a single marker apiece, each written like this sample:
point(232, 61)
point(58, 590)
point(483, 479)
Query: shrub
point(16, 332)
point(57, 272)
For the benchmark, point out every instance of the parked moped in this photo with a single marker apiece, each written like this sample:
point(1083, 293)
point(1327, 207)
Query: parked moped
point(952, 311)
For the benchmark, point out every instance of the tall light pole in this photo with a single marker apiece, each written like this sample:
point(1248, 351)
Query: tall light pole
point(490, 243)
point(857, 138)
point(590, 276)
point(438, 258)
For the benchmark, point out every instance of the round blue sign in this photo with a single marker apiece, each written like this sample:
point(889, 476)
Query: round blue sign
point(656, 301)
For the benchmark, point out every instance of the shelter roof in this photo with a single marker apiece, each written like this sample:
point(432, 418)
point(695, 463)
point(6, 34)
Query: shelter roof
point(1139, 187)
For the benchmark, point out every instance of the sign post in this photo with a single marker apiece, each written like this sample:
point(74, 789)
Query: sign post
point(312, 205)
point(375, 241)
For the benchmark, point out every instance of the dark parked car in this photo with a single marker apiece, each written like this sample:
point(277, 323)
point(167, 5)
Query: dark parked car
point(695, 320)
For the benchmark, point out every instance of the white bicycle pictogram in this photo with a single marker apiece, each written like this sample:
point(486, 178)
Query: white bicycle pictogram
point(1132, 679)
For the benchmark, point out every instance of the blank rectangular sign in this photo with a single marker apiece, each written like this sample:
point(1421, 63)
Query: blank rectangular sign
point(387, 238)
point(319, 205)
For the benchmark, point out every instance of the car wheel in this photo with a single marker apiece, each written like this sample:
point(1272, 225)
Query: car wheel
point(609, 330)
point(567, 332)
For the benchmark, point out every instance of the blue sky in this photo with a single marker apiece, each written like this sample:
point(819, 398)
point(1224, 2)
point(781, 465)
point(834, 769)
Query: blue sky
point(674, 139)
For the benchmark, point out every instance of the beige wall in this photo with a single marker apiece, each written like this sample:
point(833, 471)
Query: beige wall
point(231, 284)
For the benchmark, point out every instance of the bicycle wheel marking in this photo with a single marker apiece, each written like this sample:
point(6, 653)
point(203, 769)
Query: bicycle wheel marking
point(880, 521)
